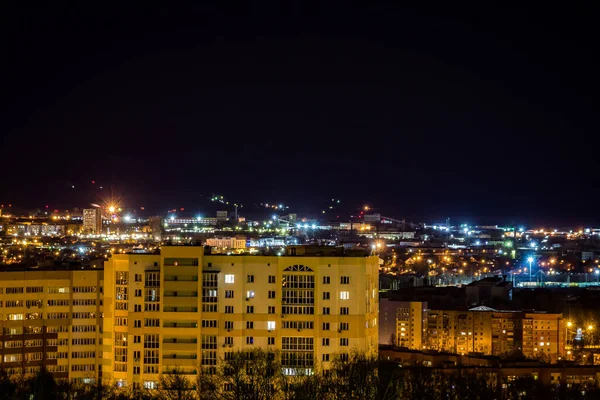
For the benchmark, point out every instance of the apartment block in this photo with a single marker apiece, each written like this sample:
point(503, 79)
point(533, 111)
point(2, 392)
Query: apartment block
point(187, 310)
point(52, 317)
point(410, 324)
point(543, 336)
point(92, 220)
point(480, 330)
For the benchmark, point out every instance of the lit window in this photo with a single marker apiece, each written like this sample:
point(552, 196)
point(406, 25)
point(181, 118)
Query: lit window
point(344, 295)
point(250, 294)
point(229, 278)
point(271, 325)
point(150, 385)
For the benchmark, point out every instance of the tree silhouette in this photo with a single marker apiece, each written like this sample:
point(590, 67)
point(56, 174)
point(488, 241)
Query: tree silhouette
point(174, 385)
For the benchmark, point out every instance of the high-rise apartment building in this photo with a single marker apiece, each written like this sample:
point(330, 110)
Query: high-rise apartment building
point(54, 318)
point(188, 310)
point(402, 323)
point(544, 336)
point(92, 221)
point(410, 324)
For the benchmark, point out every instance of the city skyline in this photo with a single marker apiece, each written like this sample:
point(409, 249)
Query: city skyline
point(473, 113)
point(207, 200)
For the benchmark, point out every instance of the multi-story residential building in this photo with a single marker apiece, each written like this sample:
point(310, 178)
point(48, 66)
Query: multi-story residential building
point(402, 323)
point(387, 321)
point(51, 317)
point(543, 336)
point(507, 333)
point(480, 330)
point(442, 330)
point(187, 310)
point(410, 324)
point(92, 220)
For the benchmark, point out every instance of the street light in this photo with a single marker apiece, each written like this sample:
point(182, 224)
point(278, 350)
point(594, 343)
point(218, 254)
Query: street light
point(530, 260)
point(567, 328)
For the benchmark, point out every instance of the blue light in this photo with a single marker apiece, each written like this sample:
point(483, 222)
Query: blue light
point(529, 259)
point(532, 244)
point(314, 226)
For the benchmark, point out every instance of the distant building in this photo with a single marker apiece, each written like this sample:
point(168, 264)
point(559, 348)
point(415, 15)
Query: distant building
point(266, 242)
point(480, 330)
point(387, 320)
point(402, 323)
point(376, 217)
point(92, 220)
point(410, 324)
point(587, 255)
point(227, 242)
point(501, 371)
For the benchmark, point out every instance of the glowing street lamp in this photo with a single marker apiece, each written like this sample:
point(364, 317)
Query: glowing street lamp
point(529, 260)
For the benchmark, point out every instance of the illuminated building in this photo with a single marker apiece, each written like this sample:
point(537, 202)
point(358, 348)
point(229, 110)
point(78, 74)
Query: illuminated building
point(543, 336)
point(188, 310)
point(480, 330)
point(227, 243)
point(92, 220)
point(52, 317)
point(410, 323)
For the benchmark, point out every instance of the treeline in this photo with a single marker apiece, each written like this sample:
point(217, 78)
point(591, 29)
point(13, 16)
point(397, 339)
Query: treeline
point(258, 375)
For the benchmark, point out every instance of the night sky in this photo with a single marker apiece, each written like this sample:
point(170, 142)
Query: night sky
point(481, 114)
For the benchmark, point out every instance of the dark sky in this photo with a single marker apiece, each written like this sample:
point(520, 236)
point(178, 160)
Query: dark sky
point(477, 113)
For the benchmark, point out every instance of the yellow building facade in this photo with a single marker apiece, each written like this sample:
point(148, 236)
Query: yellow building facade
point(54, 318)
point(187, 310)
point(481, 330)
point(410, 324)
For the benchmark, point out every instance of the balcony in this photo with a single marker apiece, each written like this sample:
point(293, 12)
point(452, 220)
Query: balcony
point(182, 371)
point(180, 294)
point(181, 278)
point(180, 356)
point(180, 309)
point(180, 340)
point(181, 324)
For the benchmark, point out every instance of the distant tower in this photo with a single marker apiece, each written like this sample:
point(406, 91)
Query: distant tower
point(92, 220)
